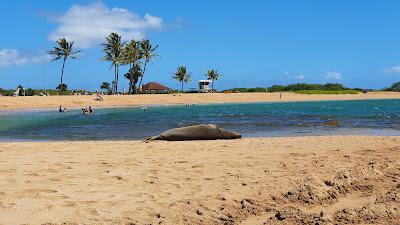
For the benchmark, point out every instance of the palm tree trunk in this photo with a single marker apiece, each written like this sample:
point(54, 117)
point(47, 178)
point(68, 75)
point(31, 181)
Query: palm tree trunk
point(144, 70)
point(130, 87)
point(116, 82)
point(62, 75)
point(182, 86)
point(130, 80)
point(115, 78)
point(212, 86)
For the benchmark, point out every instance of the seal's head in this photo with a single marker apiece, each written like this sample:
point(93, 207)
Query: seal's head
point(226, 134)
point(231, 134)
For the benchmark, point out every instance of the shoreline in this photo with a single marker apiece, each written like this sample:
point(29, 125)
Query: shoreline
point(345, 132)
point(246, 139)
point(282, 180)
point(79, 101)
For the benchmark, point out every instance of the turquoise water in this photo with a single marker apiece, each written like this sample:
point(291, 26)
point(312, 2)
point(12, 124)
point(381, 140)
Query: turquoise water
point(372, 117)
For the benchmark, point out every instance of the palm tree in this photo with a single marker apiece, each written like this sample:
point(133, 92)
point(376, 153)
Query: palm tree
point(133, 76)
point(106, 86)
point(131, 53)
point(147, 51)
point(63, 50)
point(213, 75)
point(181, 75)
point(131, 56)
point(21, 90)
point(113, 51)
point(62, 87)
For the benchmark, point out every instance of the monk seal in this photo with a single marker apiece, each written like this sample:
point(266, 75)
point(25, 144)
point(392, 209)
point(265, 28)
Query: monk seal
point(196, 132)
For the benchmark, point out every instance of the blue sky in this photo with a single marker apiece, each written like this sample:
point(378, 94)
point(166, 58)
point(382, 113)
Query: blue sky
point(252, 43)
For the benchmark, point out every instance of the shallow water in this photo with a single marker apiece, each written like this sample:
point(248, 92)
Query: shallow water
point(370, 117)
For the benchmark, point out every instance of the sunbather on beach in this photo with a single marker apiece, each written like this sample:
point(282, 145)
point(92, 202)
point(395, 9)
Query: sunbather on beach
point(98, 97)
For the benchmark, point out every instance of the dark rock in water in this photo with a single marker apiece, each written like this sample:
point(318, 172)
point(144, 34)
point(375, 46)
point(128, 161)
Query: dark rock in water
point(332, 123)
point(196, 132)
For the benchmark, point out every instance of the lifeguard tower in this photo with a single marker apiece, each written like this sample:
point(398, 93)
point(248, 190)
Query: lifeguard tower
point(204, 85)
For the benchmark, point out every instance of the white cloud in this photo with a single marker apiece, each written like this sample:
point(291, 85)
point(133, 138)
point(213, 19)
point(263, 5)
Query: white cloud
point(11, 57)
point(299, 77)
point(392, 70)
point(332, 75)
point(288, 75)
point(88, 25)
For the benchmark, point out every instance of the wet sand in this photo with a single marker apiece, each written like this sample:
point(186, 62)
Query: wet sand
point(40, 102)
point(288, 180)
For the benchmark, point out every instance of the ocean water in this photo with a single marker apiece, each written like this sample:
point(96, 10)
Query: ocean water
point(369, 117)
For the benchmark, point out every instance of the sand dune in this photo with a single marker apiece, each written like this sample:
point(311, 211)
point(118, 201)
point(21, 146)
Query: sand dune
point(291, 180)
point(37, 102)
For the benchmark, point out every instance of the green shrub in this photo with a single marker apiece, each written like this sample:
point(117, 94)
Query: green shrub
point(276, 88)
point(394, 87)
point(29, 92)
point(6, 92)
point(243, 90)
point(329, 88)
point(330, 92)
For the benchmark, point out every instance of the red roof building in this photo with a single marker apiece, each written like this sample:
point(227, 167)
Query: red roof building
point(154, 86)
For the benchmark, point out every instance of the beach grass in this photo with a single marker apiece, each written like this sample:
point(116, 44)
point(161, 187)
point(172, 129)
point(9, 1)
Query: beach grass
point(329, 92)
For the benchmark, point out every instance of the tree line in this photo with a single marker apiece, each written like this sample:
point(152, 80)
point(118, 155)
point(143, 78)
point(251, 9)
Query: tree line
point(298, 87)
point(135, 55)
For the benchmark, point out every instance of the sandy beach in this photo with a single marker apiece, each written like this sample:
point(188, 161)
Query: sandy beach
point(243, 140)
point(288, 180)
point(40, 102)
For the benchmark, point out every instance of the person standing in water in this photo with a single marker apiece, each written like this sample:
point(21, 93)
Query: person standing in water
point(61, 109)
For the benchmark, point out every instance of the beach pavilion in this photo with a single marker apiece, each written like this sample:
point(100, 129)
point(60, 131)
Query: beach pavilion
point(154, 87)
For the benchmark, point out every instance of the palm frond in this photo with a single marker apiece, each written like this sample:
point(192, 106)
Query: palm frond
point(56, 58)
point(63, 49)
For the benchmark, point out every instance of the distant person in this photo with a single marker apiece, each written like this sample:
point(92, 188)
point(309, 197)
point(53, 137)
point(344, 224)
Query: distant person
point(280, 95)
point(85, 111)
point(61, 109)
point(90, 110)
point(98, 97)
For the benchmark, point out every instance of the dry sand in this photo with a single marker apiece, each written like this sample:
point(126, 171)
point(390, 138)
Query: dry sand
point(33, 102)
point(290, 180)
